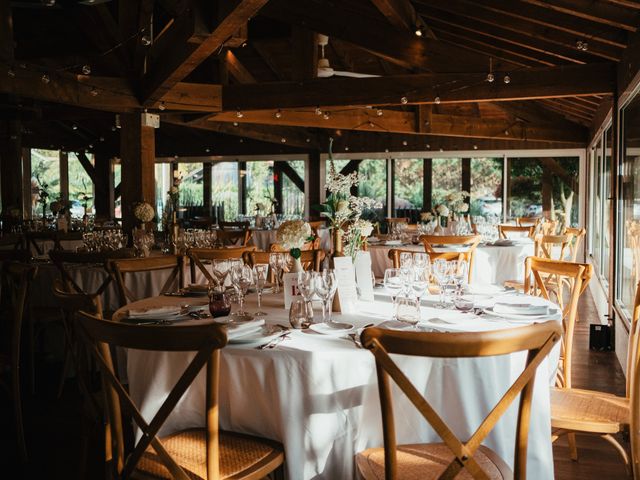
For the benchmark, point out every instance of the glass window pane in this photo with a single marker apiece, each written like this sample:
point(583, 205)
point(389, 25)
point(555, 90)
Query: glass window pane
point(292, 196)
point(259, 178)
point(164, 180)
point(630, 252)
point(374, 186)
point(45, 173)
point(606, 189)
point(117, 177)
point(191, 189)
point(597, 209)
point(81, 191)
point(446, 178)
point(224, 190)
point(486, 187)
point(408, 187)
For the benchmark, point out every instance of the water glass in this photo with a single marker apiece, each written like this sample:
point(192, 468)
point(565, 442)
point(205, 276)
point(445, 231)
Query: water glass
point(260, 271)
point(394, 285)
point(325, 285)
point(464, 303)
point(420, 260)
point(300, 313)
point(408, 310)
point(241, 278)
point(219, 303)
point(441, 270)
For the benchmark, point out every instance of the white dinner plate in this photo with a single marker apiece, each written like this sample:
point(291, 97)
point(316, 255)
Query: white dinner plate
point(260, 337)
point(331, 328)
point(553, 312)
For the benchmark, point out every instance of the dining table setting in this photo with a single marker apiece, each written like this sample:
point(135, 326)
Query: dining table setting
point(299, 375)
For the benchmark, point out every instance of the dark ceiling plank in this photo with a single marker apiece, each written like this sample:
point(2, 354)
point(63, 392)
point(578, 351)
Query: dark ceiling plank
point(626, 3)
point(305, 54)
point(402, 15)
point(181, 58)
point(6, 32)
point(237, 69)
point(531, 83)
point(555, 20)
point(265, 54)
point(457, 14)
point(567, 111)
point(378, 37)
point(599, 12)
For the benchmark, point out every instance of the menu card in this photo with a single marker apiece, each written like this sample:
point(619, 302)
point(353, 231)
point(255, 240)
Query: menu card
point(364, 276)
point(290, 281)
point(347, 291)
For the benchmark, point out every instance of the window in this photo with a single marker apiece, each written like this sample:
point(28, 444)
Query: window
point(408, 187)
point(629, 258)
point(606, 193)
point(45, 173)
point(292, 196)
point(596, 223)
point(446, 178)
point(224, 190)
point(374, 185)
point(191, 189)
point(80, 186)
point(259, 179)
point(486, 187)
point(164, 179)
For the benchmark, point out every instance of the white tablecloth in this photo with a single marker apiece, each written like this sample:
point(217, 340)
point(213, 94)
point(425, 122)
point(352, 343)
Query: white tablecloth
point(492, 264)
point(318, 395)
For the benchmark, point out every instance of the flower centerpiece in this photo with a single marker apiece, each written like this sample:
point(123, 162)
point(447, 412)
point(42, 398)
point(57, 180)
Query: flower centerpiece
point(144, 212)
point(292, 235)
point(426, 217)
point(441, 211)
point(43, 196)
point(457, 203)
point(356, 236)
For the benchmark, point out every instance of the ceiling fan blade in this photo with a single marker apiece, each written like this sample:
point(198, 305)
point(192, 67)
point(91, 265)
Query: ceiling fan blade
point(342, 73)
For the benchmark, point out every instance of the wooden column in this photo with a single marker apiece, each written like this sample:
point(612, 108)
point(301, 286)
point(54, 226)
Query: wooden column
point(615, 194)
point(242, 187)
point(11, 165)
point(312, 183)
point(391, 201)
point(206, 187)
point(64, 175)
point(427, 184)
point(278, 180)
point(137, 152)
point(26, 183)
point(104, 197)
point(466, 178)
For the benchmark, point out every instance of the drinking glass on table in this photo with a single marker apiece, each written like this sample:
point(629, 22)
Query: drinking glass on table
point(460, 274)
point(408, 310)
point(420, 260)
point(406, 260)
point(394, 285)
point(306, 286)
point(277, 261)
point(441, 270)
point(325, 285)
point(241, 278)
point(300, 313)
point(260, 271)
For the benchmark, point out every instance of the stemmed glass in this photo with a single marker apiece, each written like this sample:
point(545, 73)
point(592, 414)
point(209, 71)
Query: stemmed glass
point(306, 286)
point(325, 286)
point(408, 310)
point(394, 284)
point(460, 274)
point(260, 271)
point(406, 259)
point(277, 261)
point(242, 278)
point(441, 271)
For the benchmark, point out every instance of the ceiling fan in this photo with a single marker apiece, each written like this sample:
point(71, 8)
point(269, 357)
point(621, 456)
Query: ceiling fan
point(325, 70)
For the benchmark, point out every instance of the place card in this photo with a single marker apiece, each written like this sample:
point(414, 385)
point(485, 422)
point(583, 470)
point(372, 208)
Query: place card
point(290, 281)
point(364, 276)
point(347, 292)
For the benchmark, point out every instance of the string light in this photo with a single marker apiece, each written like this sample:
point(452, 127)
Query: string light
point(318, 111)
point(405, 143)
point(207, 150)
point(283, 140)
point(507, 79)
point(436, 100)
point(45, 78)
point(404, 100)
point(102, 139)
point(74, 127)
point(490, 77)
point(235, 124)
point(308, 140)
point(428, 147)
point(93, 92)
point(11, 73)
point(162, 106)
point(326, 115)
point(419, 31)
point(582, 45)
point(145, 40)
point(86, 69)
point(475, 147)
point(346, 148)
point(239, 114)
point(278, 114)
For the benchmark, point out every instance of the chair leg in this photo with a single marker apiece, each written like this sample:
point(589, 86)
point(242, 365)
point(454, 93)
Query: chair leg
point(623, 453)
point(17, 405)
point(573, 448)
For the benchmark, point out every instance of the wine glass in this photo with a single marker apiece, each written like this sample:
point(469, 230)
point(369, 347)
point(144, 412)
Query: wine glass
point(306, 286)
point(325, 285)
point(394, 284)
point(219, 303)
point(460, 274)
point(420, 260)
point(300, 313)
point(276, 261)
point(441, 271)
point(406, 259)
point(241, 278)
point(408, 310)
point(260, 271)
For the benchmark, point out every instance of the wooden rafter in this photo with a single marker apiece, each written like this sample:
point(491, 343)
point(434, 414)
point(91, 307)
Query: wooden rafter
point(179, 59)
point(526, 84)
point(237, 69)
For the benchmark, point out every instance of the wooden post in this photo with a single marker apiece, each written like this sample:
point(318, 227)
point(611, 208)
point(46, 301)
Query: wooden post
point(104, 189)
point(242, 187)
point(26, 184)
point(466, 178)
point(206, 187)
point(278, 180)
point(391, 188)
point(427, 184)
point(312, 184)
point(614, 195)
point(64, 175)
point(11, 165)
point(137, 152)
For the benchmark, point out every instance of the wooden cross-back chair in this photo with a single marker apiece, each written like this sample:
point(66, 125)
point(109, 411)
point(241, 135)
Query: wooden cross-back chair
point(504, 230)
point(233, 238)
point(122, 267)
point(16, 282)
point(547, 227)
point(445, 460)
point(317, 225)
point(203, 453)
point(527, 221)
point(200, 257)
point(575, 410)
point(554, 247)
point(577, 237)
point(536, 274)
point(469, 242)
point(234, 225)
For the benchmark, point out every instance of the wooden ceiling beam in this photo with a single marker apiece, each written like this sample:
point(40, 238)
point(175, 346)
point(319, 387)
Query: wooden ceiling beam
point(451, 14)
point(179, 59)
point(599, 12)
point(237, 69)
point(305, 54)
point(483, 49)
point(526, 84)
point(395, 121)
point(346, 22)
point(267, 57)
point(580, 27)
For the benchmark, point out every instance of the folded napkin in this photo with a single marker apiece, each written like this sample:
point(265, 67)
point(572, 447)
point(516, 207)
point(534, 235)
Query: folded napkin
point(520, 308)
point(152, 311)
point(393, 242)
point(237, 330)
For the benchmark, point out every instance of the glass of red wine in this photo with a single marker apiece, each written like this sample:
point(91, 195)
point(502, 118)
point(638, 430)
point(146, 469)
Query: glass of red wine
point(219, 303)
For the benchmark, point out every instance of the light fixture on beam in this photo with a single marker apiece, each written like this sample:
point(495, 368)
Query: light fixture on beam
point(278, 114)
point(86, 69)
point(419, 31)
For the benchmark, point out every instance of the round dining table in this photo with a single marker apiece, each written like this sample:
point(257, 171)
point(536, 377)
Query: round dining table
point(317, 394)
point(493, 264)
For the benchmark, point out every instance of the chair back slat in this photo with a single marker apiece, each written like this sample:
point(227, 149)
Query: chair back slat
point(199, 257)
point(577, 236)
point(504, 230)
point(237, 238)
point(206, 340)
point(544, 246)
point(537, 340)
point(469, 241)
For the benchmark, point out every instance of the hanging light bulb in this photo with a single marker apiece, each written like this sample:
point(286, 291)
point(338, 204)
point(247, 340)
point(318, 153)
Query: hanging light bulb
point(162, 106)
point(405, 143)
point(346, 148)
point(239, 114)
point(145, 40)
point(45, 78)
point(86, 69)
point(11, 73)
point(436, 100)
point(235, 124)
point(74, 127)
point(379, 112)
point(278, 114)
point(93, 92)
point(318, 111)
point(419, 31)
point(283, 140)
point(404, 100)
point(326, 115)
point(490, 77)
point(507, 79)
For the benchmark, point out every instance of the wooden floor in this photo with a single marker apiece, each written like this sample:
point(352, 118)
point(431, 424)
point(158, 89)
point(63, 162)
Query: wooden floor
point(60, 435)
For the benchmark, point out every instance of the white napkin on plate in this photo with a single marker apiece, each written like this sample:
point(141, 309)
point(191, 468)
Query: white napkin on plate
point(237, 330)
point(153, 311)
point(520, 308)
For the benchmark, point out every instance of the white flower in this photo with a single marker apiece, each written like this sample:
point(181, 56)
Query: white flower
point(293, 234)
point(342, 206)
point(260, 206)
point(144, 212)
point(365, 227)
point(426, 216)
point(443, 210)
point(173, 190)
point(463, 208)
